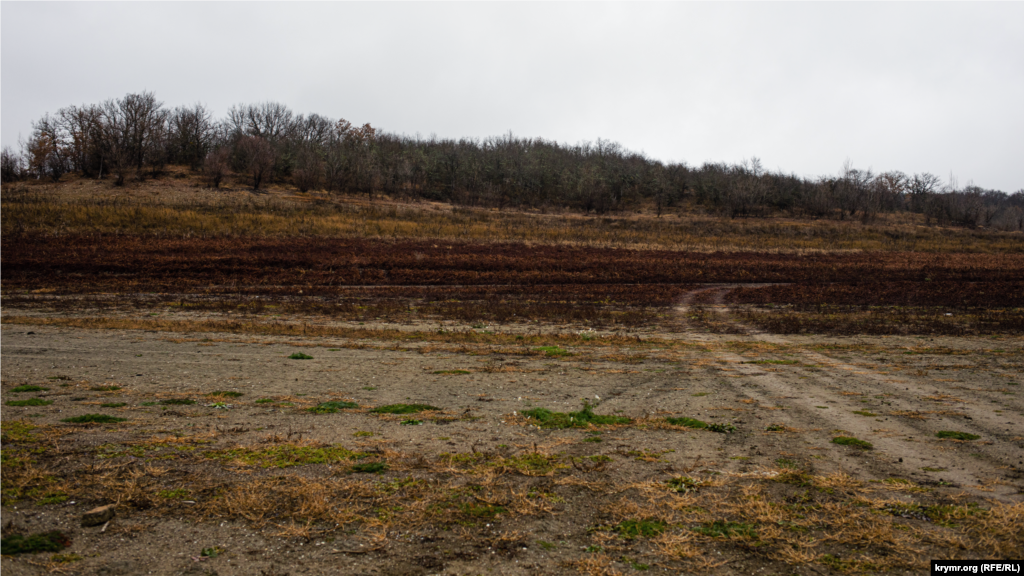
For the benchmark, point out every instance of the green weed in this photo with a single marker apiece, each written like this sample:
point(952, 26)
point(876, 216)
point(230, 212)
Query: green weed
point(683, 484)
point(332, 407)
point(29, 388)
point(944, 434)
point(29, 402)
point(94, 418)
point(687, 422)
point(300, 356)
point(849, 441)
point(630, 529)
point(547, 419)
point(553, 351)
point(403, 408)
point(53, 541)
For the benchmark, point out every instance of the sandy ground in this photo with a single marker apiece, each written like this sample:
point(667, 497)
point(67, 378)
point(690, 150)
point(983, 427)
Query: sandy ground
point(895, 392)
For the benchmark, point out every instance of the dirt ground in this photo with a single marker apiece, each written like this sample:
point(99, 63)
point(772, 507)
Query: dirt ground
point(477, 488)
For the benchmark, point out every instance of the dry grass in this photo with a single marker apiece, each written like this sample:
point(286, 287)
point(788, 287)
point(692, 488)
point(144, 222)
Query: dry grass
point(178, 208)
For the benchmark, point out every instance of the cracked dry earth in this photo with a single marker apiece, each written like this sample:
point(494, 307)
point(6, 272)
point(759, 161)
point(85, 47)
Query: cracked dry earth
point(257, 484)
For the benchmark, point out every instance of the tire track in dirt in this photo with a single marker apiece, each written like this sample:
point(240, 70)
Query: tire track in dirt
point(819, 403)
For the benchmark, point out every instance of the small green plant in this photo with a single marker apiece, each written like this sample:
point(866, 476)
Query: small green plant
point(410, 422)
point(775, 428)
point(29, 388)
point(546, 545)
point(683, 484)
point(687, 422)
point(553, 351)
point(300, 356)
point(226, 393)
point(176, 494)
point(787, 463)
point(485, 511)
point(94, 419)
point(212, 552)
point(105, 388)
point(29, 402)
point(944, 434)
point(369, 388)
point(718, 528)
point(332, 407)
point(594, 549)
point(53, 541)
point(149, 403)
point(630, 529)
point(219, 405)
point(547, 419)
point(403, 408)
point(452, 372)
point(113, 405)
point(363, 434)
point(65, 558)
point(864, 413)
point(178, 402)
point(592, 439)
point(722, 428)
point(370, 467)
point(850, 441)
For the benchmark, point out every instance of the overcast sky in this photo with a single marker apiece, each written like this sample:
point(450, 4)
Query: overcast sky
point(917, 87)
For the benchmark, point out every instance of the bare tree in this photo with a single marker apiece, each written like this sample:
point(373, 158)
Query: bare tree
point(191, 132)
point(215, 166)
point(258, 157)
point(12, 166)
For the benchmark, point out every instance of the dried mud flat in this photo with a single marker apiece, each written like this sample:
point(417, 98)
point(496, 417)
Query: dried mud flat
point(256, 483)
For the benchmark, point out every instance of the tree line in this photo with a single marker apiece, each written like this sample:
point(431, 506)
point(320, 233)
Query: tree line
point(136, 137)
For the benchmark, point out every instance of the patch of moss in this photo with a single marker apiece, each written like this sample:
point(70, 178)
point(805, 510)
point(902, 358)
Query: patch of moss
point(286, 455)
point(29, 388)
point(944, 434)
point(850, 441)
point(53, 541)
point(332, 407)
point(687, 422)
point(630, 529)
point(17, 431)
point(29, 402)
point(93, 418)
point(553, 351)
